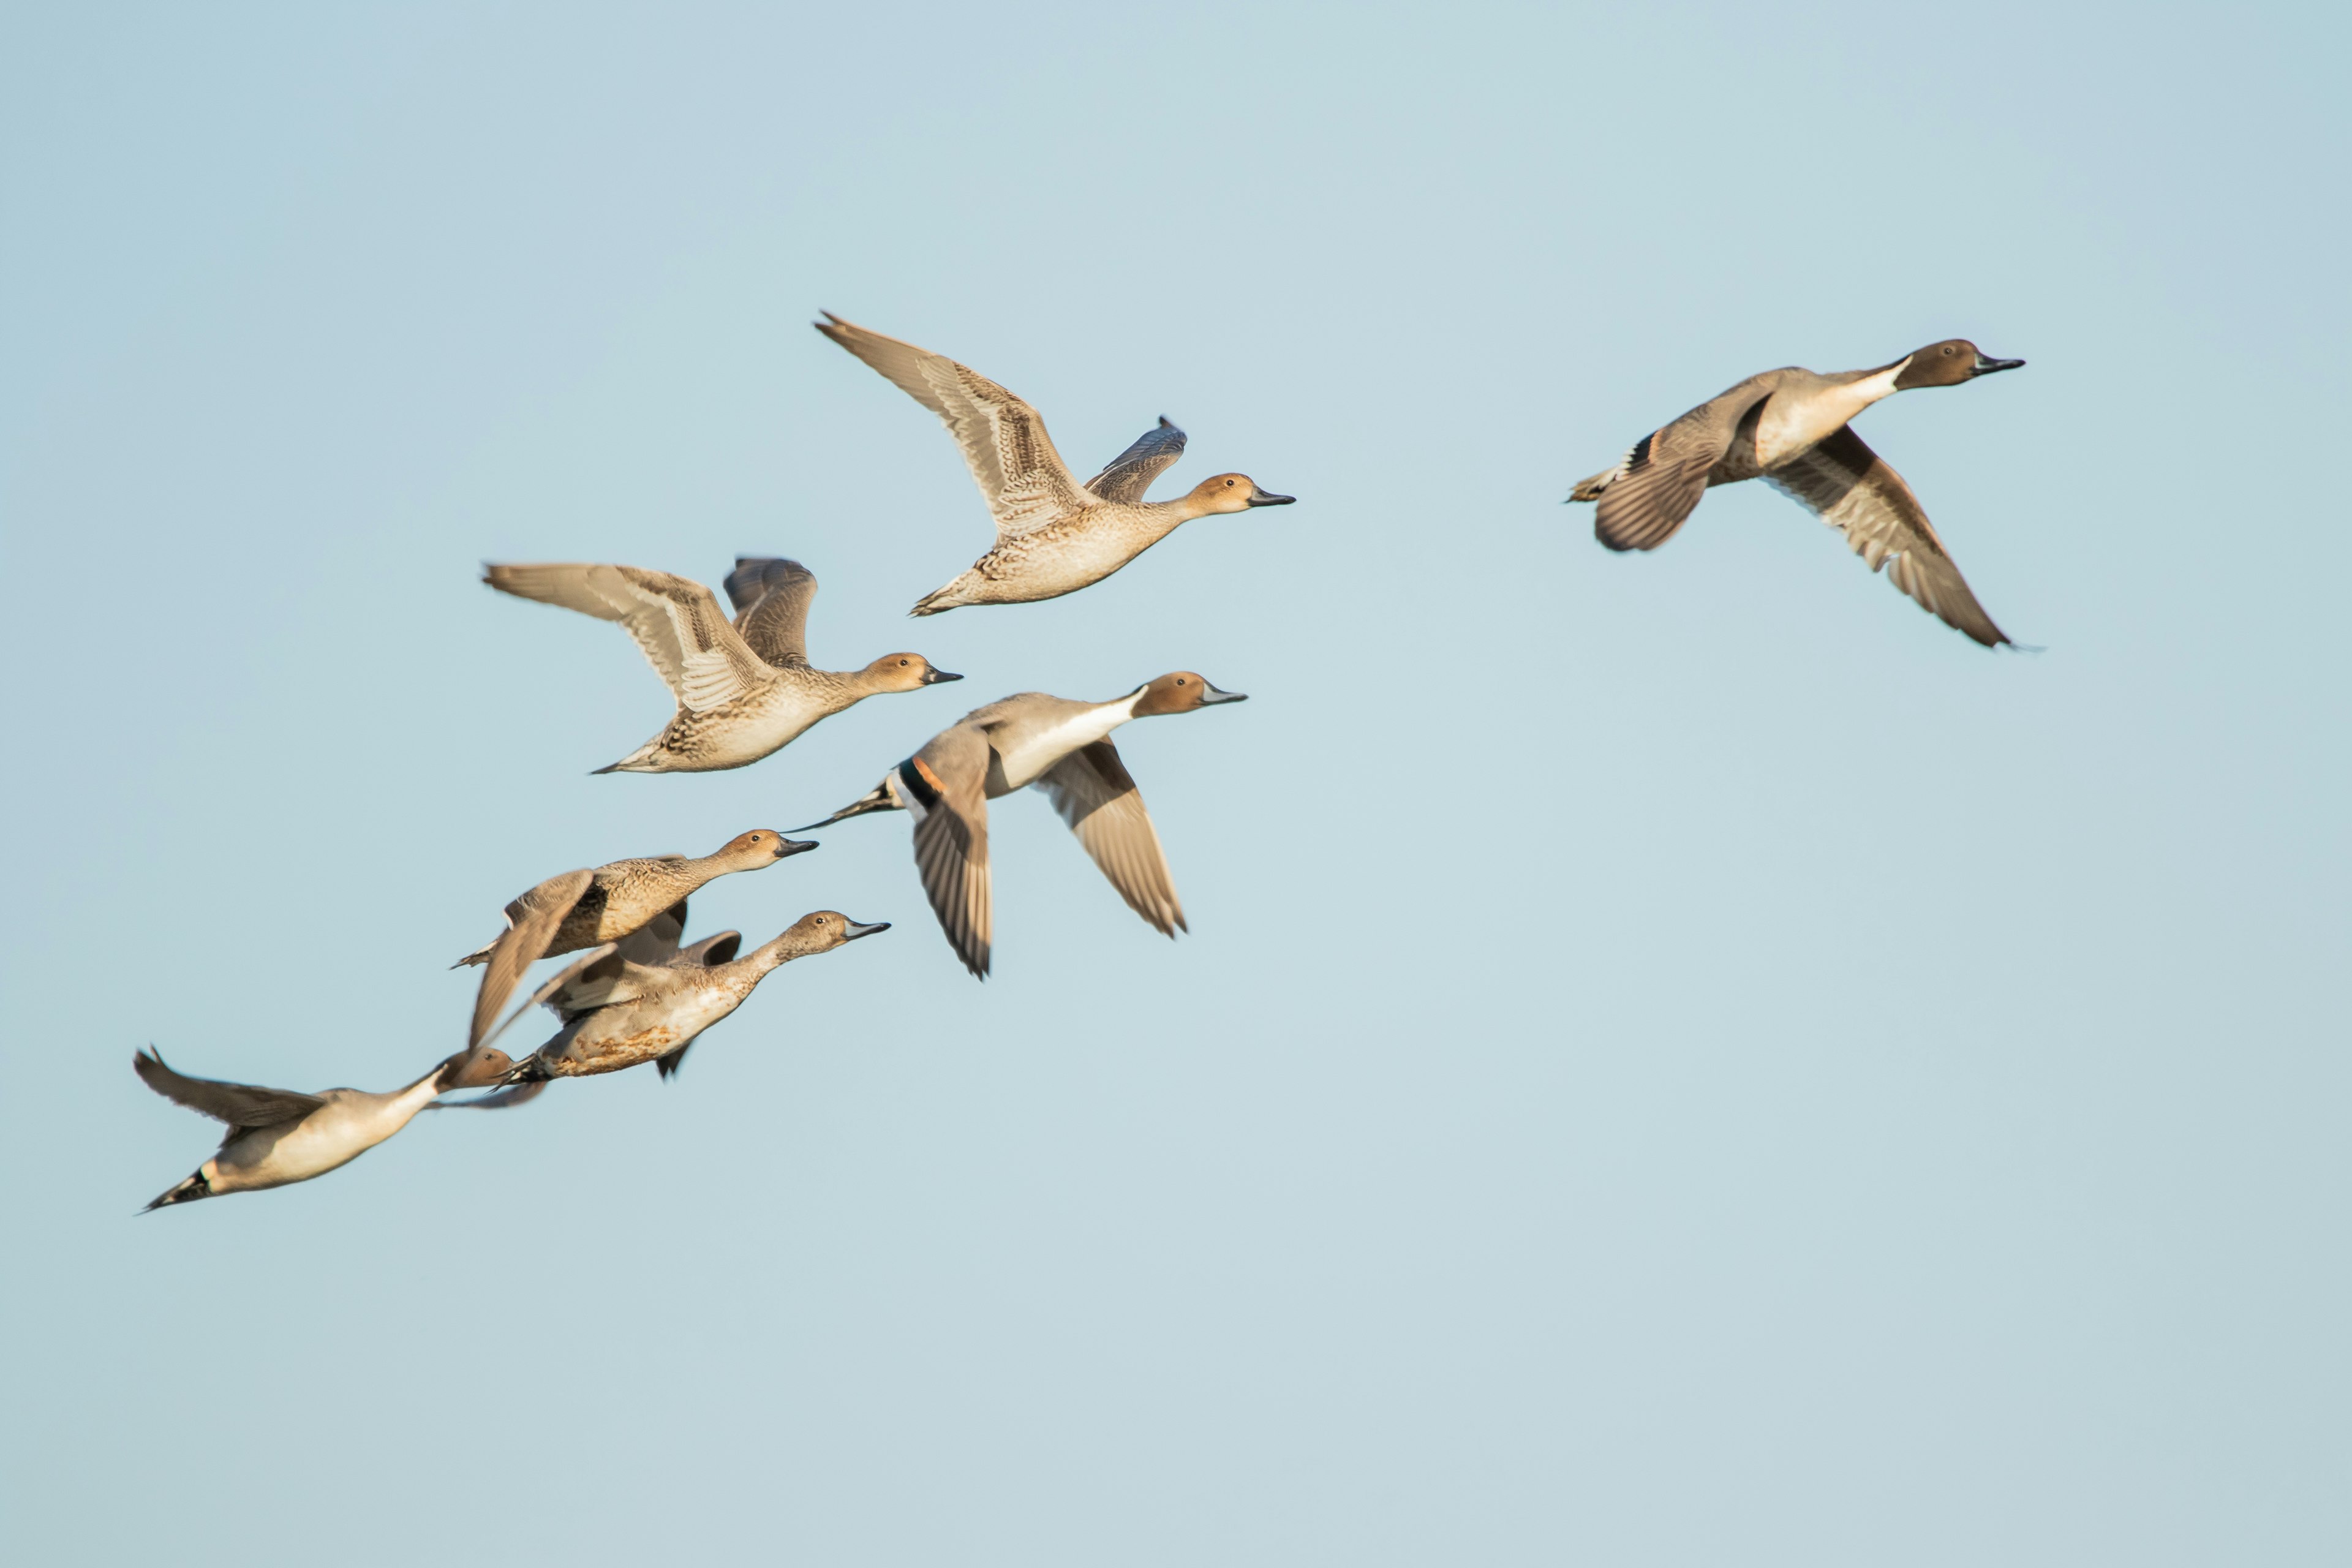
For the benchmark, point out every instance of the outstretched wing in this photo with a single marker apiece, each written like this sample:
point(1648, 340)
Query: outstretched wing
point(535, 917)
point(1131, 472)
point(1096, 796)
point(1022, 478)
point(943, 787)
point(240, 1105)
point(1845, 484)
point(772, 596)
point(677, 624)
point(1647, 497)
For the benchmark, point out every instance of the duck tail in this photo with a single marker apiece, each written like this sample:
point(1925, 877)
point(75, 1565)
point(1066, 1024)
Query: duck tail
point(649, 758)
point(878, 798)
point(1590, 489)
point(947, 598)
point(187, 1192)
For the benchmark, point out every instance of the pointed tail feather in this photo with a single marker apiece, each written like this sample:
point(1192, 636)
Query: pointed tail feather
point(878, 798)
point(187, 1192)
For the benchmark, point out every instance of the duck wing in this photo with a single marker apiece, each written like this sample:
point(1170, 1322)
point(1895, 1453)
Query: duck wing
point(241, 1105)
point(772, 596)
point(677, 624)
point(1845, 484)
point(656, 940)
point(603, 979)
point(1022, 478)
point(1131, 472)
point(533, 920)
point(943, 787)
point(1648, 496)
point(1094, 792)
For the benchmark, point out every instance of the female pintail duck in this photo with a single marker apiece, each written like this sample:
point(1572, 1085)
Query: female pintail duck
point(278, 1136)
point(1788, 427)
point(1054, 535)
point(618, 1013)
point(743, 691)
point(581, 909)
point(1060, 746)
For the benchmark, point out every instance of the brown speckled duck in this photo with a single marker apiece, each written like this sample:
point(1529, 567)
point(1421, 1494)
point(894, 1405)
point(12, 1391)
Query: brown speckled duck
point(1054, 535)
point(745, 689)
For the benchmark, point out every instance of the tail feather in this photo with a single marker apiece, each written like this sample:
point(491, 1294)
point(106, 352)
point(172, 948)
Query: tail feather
point(187, 1192)
point(1590, 489)
point(878, 798)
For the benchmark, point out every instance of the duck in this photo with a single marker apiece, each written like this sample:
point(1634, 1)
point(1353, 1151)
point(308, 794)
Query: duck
point(618, 1013)
point(1790, 427)
point(1063, 748)
point(582, 908)
point(277, 1137)
point(1054, 535)
point(745, 689)
point(655, 944)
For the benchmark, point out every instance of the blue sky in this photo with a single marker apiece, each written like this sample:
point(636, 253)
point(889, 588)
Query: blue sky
point(1680, 1058)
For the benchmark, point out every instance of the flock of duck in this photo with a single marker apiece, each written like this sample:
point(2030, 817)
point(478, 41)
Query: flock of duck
point(744, 688)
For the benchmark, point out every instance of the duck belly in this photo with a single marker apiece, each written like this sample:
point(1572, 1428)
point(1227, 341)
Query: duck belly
point(739, 734)
point(272, 1157)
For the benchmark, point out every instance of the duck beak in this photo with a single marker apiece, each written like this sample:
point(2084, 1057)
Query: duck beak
point(856, 930)
point(1211, 695)
point(1987, 364)
point(936, 675)
point(795, 846)
point(1267, 497)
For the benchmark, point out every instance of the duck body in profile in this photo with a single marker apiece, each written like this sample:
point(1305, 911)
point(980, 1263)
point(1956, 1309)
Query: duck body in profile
point(1062, 747)
point(1054, 535)
point(277, 1137)
point(583, 909)
point(1790, 429)
point(745, 688)
point(618, 1012)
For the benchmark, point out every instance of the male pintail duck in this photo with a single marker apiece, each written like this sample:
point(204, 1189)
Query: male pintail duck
point(581, 909)
point(1788, 427)
point(618, 1013)
point(1060, 746)
point(278, 1136)
point(1054, 535)
point(743, 691)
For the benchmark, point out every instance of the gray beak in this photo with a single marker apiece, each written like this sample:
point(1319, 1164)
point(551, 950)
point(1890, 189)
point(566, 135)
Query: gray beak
point(856, 930)
point(1987, 364)
point(1267, 497)
point(795, 846)
point(936, 675)
point(1211, 695)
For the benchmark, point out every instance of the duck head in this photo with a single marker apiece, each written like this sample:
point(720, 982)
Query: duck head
point(478, 1069)
point(1233, 493)
point(1181, 691)
point(905, 672)
point(760, 846)
point(1948, 363)
point(820, 932)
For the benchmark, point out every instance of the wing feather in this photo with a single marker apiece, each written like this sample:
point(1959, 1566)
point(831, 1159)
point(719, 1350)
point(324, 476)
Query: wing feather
point(772, 597)
point(1094, 792)
point(240, 1105)
point(535, 918)
point(1131, 472)
point(1853, 490)
point(675, 621)
point(1021, 477)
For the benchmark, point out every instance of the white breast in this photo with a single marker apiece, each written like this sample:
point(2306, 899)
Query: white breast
point(1030, 753)
point(1793, 421)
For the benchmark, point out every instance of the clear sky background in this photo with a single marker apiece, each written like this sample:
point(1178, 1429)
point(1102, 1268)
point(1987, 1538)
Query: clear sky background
point(1681, 1059)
